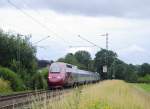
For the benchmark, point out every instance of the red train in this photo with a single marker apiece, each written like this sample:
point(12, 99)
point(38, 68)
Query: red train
point(63, 74)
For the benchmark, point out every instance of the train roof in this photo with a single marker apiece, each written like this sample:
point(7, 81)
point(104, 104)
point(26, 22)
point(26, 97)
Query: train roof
point(73, 66)
point(86, 72)
point(65, 64)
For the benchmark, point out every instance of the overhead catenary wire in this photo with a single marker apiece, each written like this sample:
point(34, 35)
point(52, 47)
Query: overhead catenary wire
point(35, 20)
point(45, 18)
point(89, 41)
point(38, 22)
point(79, 46)
point(41, 40)
point(46, 27)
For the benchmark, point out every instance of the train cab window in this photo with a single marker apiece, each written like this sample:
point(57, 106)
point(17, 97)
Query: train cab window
point(69, 66)
point(55, 68)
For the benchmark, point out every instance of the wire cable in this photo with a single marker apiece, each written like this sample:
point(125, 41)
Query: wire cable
point(79, 46)
point(41, 40)
point(35, 20)
point(89, 41)
point(45, 18)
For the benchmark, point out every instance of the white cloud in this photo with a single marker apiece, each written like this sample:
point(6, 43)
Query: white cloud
point(123, 32)
point(132, 49)
point(118, 8)
point(134, 54)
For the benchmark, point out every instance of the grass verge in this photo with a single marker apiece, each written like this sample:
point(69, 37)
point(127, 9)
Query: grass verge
point(110, 94)
point(144, 86)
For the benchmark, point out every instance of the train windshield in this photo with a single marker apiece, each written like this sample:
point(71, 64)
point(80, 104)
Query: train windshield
point(55, 68)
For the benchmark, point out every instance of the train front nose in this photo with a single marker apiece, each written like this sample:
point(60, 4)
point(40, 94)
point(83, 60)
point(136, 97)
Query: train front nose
point(56, 80)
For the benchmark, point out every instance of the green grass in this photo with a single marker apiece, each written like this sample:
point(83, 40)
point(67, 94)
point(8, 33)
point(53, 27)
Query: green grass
point(110, 94)
point(144, 86)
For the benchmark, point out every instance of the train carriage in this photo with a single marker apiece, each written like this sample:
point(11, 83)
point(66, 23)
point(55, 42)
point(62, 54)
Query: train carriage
point(63, 74)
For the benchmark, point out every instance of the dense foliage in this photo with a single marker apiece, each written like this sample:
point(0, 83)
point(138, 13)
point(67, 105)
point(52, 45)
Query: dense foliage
point(39, 79)
point(145, 79)
point(14, 79)
point(17, 54)
point(82, 59)
point(102, 58)
point(117, 69)
point(4, 86)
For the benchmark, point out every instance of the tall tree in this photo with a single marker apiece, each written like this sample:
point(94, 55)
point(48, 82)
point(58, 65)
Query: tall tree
point(84, 58)
point(102, 58)
point(117, 69)
point(69, 58)
point(18, 54)
point(144, 69)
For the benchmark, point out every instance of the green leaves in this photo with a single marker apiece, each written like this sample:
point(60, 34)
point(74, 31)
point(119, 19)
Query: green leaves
point(15, 81)
point(4, 86)
point(39, 79)
point(18, 54)
point(82, 59)
point(104, 57)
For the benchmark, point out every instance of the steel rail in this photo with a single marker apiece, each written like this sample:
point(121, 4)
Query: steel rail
point(21, 99)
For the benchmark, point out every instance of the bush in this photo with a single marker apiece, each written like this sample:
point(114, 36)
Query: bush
point(4, 86)
point(132, 77)
point(18, 54)
point(145, 79)
point(44, 72)
point(39, 80)
point(15, 82)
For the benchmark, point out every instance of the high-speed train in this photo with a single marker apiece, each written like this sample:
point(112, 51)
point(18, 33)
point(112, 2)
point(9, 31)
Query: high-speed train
point(63, 74)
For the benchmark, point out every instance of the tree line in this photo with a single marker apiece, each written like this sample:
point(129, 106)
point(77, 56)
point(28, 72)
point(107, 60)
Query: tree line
point(19, 64)
point(116, 68)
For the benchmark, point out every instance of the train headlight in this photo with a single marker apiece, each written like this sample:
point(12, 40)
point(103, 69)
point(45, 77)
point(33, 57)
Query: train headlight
point(50, 77)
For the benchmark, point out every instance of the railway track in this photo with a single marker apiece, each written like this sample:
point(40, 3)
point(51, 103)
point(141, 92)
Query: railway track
point(19, 100)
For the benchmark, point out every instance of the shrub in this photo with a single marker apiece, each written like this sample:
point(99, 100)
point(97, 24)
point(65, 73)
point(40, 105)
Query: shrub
point(44, 72)
point(4, 86)
point(132, 78)
point(15, 82)
point(39, 80)
point(145, 79)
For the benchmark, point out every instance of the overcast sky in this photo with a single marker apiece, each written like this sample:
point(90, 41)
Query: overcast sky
point(126, 21)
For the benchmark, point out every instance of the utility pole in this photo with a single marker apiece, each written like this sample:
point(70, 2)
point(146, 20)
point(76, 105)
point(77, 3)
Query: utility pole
point(105, 67)
point(107, 40)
